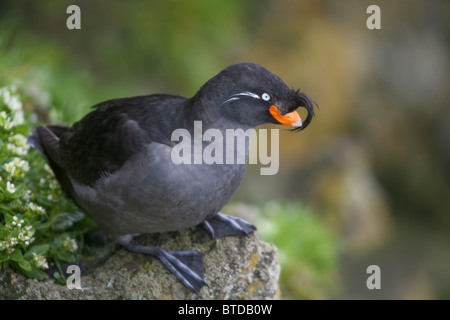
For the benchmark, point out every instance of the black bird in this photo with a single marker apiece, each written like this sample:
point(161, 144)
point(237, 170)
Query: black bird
point(116, 165)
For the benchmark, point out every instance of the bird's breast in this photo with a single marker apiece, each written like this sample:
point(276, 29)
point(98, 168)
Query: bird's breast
point(151, 193)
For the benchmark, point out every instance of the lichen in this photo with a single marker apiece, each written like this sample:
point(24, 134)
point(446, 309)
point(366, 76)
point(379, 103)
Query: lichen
point(139, 277)
point(254, 260)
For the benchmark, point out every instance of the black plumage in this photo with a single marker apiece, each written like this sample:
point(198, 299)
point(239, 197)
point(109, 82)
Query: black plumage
point(115, 162)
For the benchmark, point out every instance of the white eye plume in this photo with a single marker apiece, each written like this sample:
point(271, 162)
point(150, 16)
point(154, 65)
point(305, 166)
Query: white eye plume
point(265, 97)
point(237, 96)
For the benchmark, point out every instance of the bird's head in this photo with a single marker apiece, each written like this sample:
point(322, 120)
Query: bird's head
point(250, 95)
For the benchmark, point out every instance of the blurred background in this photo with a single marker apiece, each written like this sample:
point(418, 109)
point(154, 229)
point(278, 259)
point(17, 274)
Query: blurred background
point(368, 182)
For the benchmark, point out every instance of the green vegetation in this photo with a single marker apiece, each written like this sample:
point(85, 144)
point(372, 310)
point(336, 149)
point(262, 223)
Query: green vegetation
point(36, 222)
point(308, 250)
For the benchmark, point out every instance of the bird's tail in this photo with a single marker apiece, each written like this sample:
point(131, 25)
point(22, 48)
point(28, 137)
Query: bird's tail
point(46, 140)
point(41, 134)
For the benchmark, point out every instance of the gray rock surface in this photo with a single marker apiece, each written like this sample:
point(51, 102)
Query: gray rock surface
point(235, 268)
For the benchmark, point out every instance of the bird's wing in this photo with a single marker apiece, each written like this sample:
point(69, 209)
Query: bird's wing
point(113, 133)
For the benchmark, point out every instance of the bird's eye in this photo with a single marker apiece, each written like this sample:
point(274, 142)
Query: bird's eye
point(265, 96)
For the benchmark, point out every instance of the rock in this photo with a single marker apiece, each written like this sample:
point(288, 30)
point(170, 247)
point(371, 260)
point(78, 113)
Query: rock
point(235, 268)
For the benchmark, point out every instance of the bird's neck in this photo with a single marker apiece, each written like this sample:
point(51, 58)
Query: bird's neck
point(209, 129)
point(210, 115)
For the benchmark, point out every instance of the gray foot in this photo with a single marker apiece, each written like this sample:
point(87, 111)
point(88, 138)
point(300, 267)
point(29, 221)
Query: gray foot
point(187, 265)
point(222, 225)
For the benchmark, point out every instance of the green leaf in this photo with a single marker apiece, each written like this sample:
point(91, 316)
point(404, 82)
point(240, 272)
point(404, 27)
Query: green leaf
point(8, 218)
point(3, 256)
point(75, 216)
point(17, 256)
point(25, 265)
point(60, 225)
point(3, 233)
point(6, 264)
point(40, 249)
point(35, 273)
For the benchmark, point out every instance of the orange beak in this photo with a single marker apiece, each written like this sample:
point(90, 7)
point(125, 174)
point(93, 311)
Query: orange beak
point(289, 119)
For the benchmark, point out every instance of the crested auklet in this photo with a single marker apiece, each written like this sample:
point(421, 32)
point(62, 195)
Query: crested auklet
point(116, 162)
